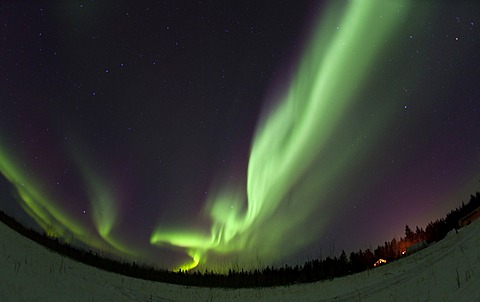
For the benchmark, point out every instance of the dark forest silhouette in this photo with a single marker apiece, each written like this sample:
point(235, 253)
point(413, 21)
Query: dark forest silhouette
point(310, 271)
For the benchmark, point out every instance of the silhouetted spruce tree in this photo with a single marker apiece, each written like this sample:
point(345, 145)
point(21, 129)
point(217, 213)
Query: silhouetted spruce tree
point(419, 235)
point(409, 235)
point(343, 264)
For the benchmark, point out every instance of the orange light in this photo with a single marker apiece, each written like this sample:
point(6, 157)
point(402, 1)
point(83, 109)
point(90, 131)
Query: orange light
point(379, 262)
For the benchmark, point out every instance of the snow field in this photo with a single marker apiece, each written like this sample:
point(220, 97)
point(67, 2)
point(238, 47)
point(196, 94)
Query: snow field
point(446, 271)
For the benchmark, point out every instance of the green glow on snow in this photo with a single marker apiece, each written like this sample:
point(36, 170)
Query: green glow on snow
point(283, 189)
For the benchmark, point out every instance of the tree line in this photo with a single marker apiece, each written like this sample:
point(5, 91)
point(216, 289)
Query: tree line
point(311, 271)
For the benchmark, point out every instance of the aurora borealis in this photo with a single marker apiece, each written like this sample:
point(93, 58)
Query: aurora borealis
point(209, 135)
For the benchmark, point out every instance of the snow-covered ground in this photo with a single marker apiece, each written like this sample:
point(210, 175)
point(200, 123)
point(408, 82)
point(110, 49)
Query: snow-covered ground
point(446, 271)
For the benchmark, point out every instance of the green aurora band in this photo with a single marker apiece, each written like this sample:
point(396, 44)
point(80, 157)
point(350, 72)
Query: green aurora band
point(37, 203)
point(290, 169)
point(287, 174)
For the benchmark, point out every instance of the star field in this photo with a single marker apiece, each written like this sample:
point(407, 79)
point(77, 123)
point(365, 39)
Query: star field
point(197, 134)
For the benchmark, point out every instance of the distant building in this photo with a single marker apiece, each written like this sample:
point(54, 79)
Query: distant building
point(475, 214)
point(380, 262)
point(417, 247)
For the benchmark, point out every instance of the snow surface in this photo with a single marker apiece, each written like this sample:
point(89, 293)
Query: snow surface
point(446, 271)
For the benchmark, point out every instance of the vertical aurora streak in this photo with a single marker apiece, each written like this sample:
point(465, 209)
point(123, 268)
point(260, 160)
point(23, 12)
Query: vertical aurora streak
point(135, 135)
point(290, 140)
point(104, 208)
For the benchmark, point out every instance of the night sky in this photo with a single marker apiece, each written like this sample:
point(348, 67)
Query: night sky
point(213, 133)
